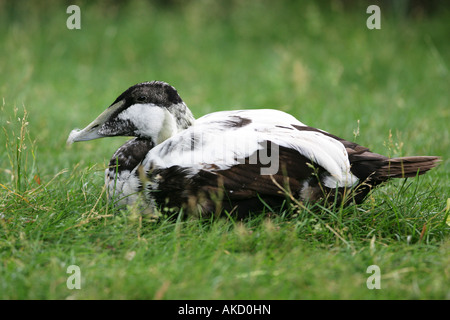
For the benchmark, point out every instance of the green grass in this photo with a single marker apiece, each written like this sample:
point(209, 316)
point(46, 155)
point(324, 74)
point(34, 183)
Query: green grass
point(386, 89)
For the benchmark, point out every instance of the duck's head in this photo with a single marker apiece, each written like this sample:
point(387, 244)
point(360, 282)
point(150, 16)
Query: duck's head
point(151, 110)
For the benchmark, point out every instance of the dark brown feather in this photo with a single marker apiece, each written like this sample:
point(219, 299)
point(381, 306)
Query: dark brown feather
point(240, 189)
point(406, 167)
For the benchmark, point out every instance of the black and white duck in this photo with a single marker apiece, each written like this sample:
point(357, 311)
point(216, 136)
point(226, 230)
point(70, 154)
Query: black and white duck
point(233, 161)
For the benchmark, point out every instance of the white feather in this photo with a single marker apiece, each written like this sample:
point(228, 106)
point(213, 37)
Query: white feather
point(151, 120)
point(122, 188)
point(206, 143)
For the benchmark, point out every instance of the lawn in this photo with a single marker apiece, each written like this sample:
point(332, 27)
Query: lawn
point(386, 89)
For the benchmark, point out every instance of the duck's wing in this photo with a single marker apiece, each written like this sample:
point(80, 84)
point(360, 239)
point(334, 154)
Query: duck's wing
point(242, 152)
point(222, 140)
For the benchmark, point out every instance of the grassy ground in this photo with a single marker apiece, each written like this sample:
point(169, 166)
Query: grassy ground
point(386, 89)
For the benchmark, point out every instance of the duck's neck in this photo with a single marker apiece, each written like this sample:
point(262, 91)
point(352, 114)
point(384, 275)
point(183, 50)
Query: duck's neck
point(176, 118)
point(130, 154)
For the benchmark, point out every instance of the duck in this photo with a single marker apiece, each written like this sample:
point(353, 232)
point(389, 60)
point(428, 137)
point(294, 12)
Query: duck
point(231, 163)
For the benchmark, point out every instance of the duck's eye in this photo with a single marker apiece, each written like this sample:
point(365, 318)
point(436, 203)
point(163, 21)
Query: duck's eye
point(141, 98)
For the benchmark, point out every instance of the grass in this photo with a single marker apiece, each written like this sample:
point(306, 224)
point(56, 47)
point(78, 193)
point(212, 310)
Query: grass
point(386, 89)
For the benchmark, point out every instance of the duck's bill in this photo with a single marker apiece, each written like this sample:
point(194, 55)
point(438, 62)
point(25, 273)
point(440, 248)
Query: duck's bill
point(91, 132)
point(82, 135)
point(94, 130)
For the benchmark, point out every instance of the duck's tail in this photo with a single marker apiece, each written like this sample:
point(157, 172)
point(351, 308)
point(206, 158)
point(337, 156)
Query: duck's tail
point(405, 167)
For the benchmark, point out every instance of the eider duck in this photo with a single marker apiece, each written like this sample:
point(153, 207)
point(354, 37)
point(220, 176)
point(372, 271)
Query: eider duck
point(231, 162)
